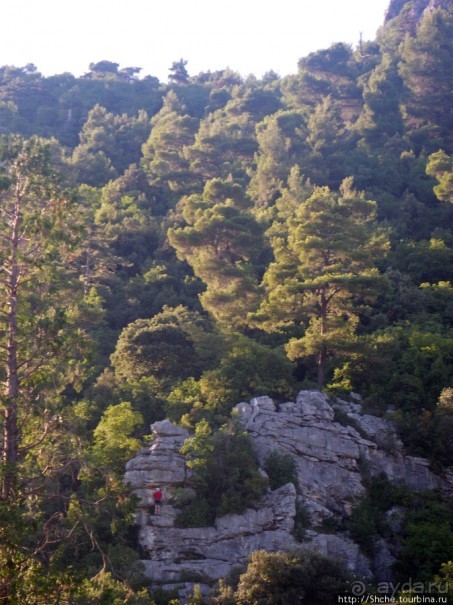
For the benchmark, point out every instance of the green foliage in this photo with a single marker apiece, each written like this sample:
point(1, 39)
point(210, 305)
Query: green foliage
point(445, 578)
point(428, 537)
point(280, 469)
point(178, 72)
point(427, 262)
point(440, 165)
point(43, 340)
point(286, 578)
point(302, 522)
point(163, 158)
point(245, 369)
point(425, 72)
point(221, 242)
point(58, 106)
point(325, 255)
point(24, 577)
point(196, 598)
point(368, 520)
point(172, 345)
point(225, 474)
point(201, 168)
point(125, 218)
point(445, 403)
point(141, 351)
point(407, 364)
point(226, 142)
point(248, 369)
point(113, 445)
point(429, 434)
point(51, 545)
point(103, 589)
point(381, 115)
point(280, 146)
point(194, 514)
point(328, 72)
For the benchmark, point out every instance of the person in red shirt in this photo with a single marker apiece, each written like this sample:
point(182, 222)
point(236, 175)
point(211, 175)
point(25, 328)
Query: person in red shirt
point(157, 497)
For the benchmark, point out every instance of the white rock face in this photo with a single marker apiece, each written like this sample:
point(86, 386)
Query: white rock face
point(210, 552)
point(162, 464)
point(330, 458)
point(331, 461)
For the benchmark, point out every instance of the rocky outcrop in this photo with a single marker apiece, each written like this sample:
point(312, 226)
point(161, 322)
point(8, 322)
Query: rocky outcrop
point(209, 553)
point(332, 457)
point(335, 447)
point(161, 464)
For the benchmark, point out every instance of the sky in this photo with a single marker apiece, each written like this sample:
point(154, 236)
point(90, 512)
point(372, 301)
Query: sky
point(248, 36)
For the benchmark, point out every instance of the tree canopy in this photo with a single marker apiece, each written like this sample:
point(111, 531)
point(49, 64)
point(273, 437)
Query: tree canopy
point(170, 249)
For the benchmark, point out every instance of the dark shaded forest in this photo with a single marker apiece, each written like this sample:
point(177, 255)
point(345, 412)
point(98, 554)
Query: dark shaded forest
point(168, 250)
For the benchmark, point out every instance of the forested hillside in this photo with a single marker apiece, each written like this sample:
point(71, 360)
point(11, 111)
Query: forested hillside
point(168, 250)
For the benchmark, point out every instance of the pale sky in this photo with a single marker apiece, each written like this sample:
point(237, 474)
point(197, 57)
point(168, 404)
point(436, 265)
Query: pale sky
point(249, 36)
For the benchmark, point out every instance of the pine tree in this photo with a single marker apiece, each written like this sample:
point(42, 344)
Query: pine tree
point(39, 296)
point(325, 252)
point(426, 71)
point(164, 161)
point(221, 241)
point(440, 165)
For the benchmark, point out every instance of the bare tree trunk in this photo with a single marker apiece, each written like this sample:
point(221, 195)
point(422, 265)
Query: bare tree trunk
point(321, 378)
point(11, 391)
point(322, 356)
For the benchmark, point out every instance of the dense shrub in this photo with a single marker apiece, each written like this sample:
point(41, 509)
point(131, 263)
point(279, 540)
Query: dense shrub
point(368, 520)
point(286, 579)
point(280, 469)
point(427, 537)
point(225, 474)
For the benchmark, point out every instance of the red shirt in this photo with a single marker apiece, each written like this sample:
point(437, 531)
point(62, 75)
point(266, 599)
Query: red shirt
point(157, 496)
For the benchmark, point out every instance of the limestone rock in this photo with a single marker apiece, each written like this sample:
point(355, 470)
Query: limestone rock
point(382, 561)
point(332, 460)
point(342, 548)
point(161, 464)
point(330, 457)
point(209, 553)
